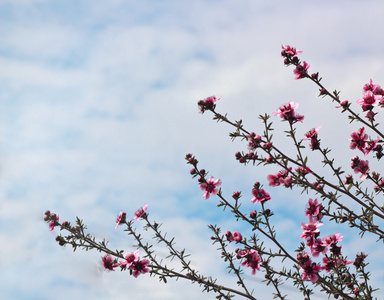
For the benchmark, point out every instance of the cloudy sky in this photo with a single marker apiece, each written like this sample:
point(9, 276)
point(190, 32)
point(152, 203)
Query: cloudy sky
point(98, 109)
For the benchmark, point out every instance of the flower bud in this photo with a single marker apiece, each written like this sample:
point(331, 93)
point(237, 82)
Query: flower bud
point(253, 214)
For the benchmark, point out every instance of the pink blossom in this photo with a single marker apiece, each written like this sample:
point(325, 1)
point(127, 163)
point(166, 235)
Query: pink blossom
point(260, 195)
point(359, 139)
point(287, 112)
point(369, 100)
point(140, 212)
point(311, 229)
point(236, 236)
point(274, 180)
point(363, 168)
point(318, 247)
point(121, 218)
point(343, 262)
point(348, 179)
point(288, 50)
point(310, 270)
point(328, 265)
point(54, 221)
point(130, 258)
point(369, 146)
point(301, 70)
point(303, 257)
point(108, 262)
point(210, 187)
point(333, 239)
point(303, 170)
point(140, 267)
point(280, 178)
point(252, 260)
point(207, 103)
point(375, 88)
point(313, 209)
point(312, 133)
point(286, 181)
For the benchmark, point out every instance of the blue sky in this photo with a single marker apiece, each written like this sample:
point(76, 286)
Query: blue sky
point(98, 109)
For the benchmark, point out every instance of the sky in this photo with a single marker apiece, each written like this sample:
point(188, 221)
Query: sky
point(98, 109)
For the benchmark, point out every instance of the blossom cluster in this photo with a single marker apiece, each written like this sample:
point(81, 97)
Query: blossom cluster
point(317, 246)
point(289, 53)
point(131, 262)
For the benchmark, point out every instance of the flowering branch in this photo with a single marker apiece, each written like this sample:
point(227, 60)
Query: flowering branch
point(333, 275)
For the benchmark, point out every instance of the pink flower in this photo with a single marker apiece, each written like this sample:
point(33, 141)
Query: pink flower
point(260, 195)
point(310, 269)
point(303, 170)
point(108, 262)
point(312, 133)
point(121, 218)
point(288, 50)
point(286, 181)
point(369, 100)
point(369, 146)
point(358, 140)
point(303, 257)
point(375, 88)
point(313, 209)
point(318, 247)
point(139, 267)
point(333, 239)
point(207, 103)
point(280, 178)
point(363, 168)
point(301, 71)
point(210, 187)
point(311, 229)
point(130, 258)
point(287, 112)
point(274, 180)
point(252, 260)
point(54, 221)
point(140, 212)
point(236, 236)
point(328, 265)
